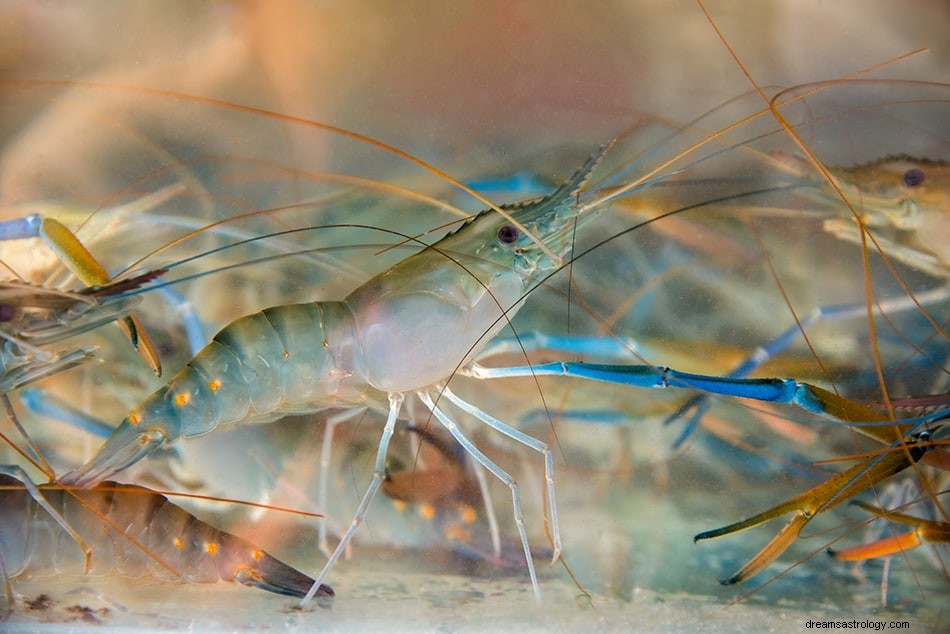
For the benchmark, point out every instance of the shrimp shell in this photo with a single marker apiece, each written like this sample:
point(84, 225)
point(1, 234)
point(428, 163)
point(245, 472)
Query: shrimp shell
point(134, 532)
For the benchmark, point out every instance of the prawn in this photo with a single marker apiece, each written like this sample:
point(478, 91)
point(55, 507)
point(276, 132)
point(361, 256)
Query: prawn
point(269, 364)
point(189, 405)
point(901, 198)
point(130, 531)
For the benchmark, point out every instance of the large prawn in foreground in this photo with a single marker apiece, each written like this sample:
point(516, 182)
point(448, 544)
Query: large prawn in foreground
point(307, 357)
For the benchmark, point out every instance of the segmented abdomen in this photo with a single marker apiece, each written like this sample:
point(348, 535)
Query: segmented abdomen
point(285, 359)
point(133, 532)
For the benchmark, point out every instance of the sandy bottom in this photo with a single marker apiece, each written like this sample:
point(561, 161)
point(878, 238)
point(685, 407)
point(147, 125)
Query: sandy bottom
point(642, 574)
point(385, 600)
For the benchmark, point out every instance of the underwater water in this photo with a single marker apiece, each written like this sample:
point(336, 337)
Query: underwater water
point(246, 150)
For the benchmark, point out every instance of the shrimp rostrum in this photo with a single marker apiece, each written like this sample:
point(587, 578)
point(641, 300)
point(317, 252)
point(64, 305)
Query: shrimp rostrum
point(129, 531)
point(405, 331)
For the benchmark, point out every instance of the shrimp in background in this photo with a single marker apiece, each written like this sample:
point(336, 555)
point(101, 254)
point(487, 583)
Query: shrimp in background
point(743, 302)
point(132, 532)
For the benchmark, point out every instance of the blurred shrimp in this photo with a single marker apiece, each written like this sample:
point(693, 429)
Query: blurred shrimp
point(132, 532)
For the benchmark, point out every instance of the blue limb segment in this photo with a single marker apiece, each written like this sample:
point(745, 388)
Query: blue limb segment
point(40, 402)
point(648, 376)
point(18, 228)
point(194, 331)
point(609, 347)
point(608, 417)
point(520, 185)
point(699, 404)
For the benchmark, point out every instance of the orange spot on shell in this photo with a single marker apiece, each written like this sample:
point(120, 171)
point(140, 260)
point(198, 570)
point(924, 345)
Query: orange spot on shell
point(133, 419)
point(427, 511)
point(182, 399)
point(257, 555)
point(211, 548)
point(178, 543)
point(215, 385)
point(458, 534)
point(468, 515)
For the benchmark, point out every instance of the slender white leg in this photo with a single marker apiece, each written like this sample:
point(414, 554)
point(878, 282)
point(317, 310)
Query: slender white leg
point(499, 473)
point(530, 442)
point(332, 422)
point(18, 474)
point(395, 404)
point(493, 529)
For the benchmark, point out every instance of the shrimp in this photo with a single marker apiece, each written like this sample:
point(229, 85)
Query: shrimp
point(272, 363)
point(902, 198)
point(129, 531)
point(726, 299)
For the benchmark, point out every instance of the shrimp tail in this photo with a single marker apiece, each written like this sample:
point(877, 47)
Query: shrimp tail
point(125, 447)
point(272, 575)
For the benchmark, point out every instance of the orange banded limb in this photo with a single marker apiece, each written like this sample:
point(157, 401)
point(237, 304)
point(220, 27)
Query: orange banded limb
point(925, 532)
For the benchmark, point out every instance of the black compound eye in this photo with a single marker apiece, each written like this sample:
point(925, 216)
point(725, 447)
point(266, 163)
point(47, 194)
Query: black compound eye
point(509, 234)
point(914, 177)
point(8, 312)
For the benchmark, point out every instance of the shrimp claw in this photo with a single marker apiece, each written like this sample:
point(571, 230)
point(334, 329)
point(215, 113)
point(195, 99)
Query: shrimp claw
point(805, 506)
point(925, 532)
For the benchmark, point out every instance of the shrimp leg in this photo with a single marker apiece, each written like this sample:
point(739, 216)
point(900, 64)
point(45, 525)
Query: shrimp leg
point(379, 473)
point(808, 397)
point(446, 495)
point(531, 443)
point(499, 473)
point(907, 448)
point(325, 453)
point(48, 405)
point(925, 532)
point(700, 403)
point(806, 505)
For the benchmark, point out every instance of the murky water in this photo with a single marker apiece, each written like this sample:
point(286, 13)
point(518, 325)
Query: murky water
point(101, 128)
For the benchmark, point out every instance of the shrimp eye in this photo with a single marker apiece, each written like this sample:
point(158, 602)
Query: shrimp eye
point(8, 312)
point(914, 177)
point(509, 234)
